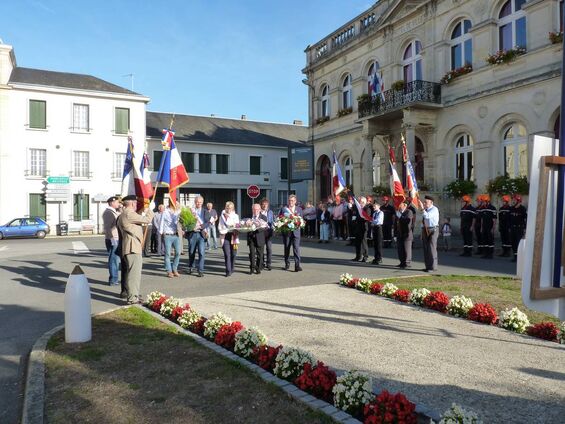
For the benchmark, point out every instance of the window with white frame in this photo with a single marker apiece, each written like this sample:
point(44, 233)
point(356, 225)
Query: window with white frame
point(347, 92)
point(348, 169)
point(412, 62)
point(38, 162)
point(325, 104)
point(515, 150)
point(464, 157)
point(81, 164)
point(512, 25)
point(119, 159)
point(376, 169)
point(371, 77)
point(461, 45)
point(81, 117)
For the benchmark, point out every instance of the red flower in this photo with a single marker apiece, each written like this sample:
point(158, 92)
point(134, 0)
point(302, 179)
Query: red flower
point(198, 326)
point(265, 356)
point(318, 381)
point(401, 295)
point(178, 310)
point(156, 306)
point(544, 330)
point(375, 288)
point(437, 301)
point(353, 282)
point(483, 312)
point(390, 409)
point(226, 335)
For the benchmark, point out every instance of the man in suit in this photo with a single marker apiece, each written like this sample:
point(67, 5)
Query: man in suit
point(360, 226)
point(256, 240)
point(292, 238)
point(268, 216)
point(404, 235)
point(130, 224)
point(388, 221)
point(197, 237)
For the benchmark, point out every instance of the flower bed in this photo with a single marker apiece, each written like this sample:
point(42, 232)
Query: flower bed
point(505, 56)
point(460, 306)
point(350, 392)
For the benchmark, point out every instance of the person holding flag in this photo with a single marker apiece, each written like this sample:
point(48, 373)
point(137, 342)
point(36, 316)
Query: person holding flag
point(136, 179)
point(171, 170)
point(396, 189)
point(411, 183)
point(362, 215)
point(338, 183)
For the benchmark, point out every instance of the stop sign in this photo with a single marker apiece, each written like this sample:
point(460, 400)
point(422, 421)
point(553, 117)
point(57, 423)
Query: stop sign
point(253, 191)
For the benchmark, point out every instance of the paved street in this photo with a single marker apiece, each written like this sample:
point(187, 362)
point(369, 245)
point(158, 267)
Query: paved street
point(33, 275)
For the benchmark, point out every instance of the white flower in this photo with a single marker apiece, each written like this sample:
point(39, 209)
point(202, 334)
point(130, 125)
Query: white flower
point(353, 389)
point(459, 306)
point(561, 335)
point(514, 319)
point(417, 296)
point(188, 318)
point(153, 297)
point(388, 290)
point(457, 415)
point(213, 325)
point(290, 361)
point(168, 306)
point(248, 339)
point(364, 284)
point(345, 278)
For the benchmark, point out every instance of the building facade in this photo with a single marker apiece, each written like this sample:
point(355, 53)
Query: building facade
point(477, 126)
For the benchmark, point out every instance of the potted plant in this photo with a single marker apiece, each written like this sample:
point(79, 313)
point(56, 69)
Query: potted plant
point(503, 184)
point(187, 219)
point(398, 85)
point(458, 188)
point(556, 37)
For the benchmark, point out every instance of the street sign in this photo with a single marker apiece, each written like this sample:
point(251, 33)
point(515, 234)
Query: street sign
point(58, 180)
point(100, 197)
point(253, 191)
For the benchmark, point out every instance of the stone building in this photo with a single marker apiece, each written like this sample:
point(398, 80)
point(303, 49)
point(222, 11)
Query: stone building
point(477, 126)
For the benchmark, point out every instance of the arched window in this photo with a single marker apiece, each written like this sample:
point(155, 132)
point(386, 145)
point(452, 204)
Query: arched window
point(325, 104)
point(464, 157)
point(348, 169)
point(370, 75)
point(461, 45)
point(347, 92)
point(512, 25)
point(376, 169)
point(515, 151)
point(325, 178)
point(412, 62)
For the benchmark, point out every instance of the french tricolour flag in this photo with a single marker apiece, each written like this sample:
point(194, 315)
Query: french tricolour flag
point(396, 189)
point(338, 183)
point(411, 184)
point(377, 85)
point(171, 171)
point(136, 176)
point(362, 212)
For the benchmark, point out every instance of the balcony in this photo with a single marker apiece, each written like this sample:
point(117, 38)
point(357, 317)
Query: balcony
point(423, 94)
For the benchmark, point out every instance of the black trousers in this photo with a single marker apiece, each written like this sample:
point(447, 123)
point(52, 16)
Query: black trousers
point(387, 235)
point(467, 234)
point(256, 257)
point(361, 247)
point(269, 248)
point(229, 254)
point(516, 233)
point(378, 241)
point(479, 237)
point(488, 241)
point(505, 237)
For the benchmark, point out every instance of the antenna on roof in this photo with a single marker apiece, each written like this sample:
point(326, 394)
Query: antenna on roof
point(131, 79)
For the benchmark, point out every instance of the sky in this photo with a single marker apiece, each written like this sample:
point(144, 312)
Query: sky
point(199, 57)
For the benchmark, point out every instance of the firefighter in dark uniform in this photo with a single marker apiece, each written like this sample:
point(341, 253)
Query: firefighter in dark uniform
point(477, 226)
point(518, 219)
point(488, 224)
point(388, 222)
point(468, 213)
point(504, 226)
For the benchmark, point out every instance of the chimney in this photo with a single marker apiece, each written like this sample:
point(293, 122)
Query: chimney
point(244, 117)
point(7, 62)
point(297, 122)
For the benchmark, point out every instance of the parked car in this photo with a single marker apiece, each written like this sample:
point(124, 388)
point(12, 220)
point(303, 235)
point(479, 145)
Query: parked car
point(25, 227)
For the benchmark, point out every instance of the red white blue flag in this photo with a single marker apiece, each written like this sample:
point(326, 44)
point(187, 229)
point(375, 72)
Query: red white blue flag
point(396, 189)
point(377, 85)
point(136, 176)
point(411, 184)
point(338, 183)
point(171, 171)
point(362, 212)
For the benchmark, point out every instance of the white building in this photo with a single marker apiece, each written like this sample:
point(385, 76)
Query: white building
point(61, 124)
point(225, 156)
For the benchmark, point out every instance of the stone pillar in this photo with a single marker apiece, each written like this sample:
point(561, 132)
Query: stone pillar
point(484, 154)
point(410, 136)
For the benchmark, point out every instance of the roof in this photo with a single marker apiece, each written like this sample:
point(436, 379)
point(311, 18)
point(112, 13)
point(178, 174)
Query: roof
point(64, 80)
point(224, 130)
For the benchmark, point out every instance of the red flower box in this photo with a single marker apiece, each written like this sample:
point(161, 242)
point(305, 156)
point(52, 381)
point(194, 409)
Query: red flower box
point(318, 381)
point(156, 306)
point(177, 312)
point(483, 312)
point(265, 356)
point(544, 330)
point(375, 288)
point(352, 283)
point(401, 295)
point(437, 301)
point(390, 409)
point(226, 335)
point(198, 326)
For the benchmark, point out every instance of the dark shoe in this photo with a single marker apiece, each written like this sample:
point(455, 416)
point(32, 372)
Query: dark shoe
point(227, 274)
point(375, 262)
point(320, 241)
point(425, 270)
point(199, 274)
point(286, 267)
point(326, 241)
point(123, 295)
point(268, 268)
point(297, 269)
point(364, 259)
point(251, 272)
point(189, 272)
point(257, 271)
point(400, 266)
point(356, 259)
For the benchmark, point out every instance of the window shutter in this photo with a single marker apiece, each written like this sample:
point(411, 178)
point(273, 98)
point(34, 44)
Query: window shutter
point(37, 114)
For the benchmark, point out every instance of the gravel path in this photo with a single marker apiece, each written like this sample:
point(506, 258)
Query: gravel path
point(433, 358)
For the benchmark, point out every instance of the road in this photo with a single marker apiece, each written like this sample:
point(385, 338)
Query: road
point(33, 274)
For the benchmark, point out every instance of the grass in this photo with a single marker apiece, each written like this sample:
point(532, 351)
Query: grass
point(500, 292)
point(139, 370)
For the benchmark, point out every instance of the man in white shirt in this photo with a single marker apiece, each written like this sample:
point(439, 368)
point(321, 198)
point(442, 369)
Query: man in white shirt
point(168, 229)
point(377, 227)
point(157, 244)
point(430, 232)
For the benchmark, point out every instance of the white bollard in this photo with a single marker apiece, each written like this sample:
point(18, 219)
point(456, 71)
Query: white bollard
point(520, 259)
point(78, 324)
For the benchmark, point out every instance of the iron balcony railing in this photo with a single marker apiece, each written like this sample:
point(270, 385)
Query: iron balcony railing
point(413, 92)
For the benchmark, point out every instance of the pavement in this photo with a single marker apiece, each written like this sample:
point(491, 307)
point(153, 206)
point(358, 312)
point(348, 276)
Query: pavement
point(33, 274)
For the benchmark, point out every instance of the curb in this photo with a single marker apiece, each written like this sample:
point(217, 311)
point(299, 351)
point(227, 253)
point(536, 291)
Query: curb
point(293, 391)
point(34, 393)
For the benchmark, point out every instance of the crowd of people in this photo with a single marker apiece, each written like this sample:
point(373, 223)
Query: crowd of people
point(362, 221)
